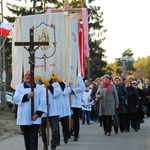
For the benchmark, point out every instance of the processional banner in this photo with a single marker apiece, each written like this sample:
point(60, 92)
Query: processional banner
point(59, 59)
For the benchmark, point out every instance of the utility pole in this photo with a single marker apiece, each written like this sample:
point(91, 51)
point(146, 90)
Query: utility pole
point(2, 63)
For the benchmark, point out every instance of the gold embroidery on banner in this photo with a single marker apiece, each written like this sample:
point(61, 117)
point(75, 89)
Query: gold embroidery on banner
point(44, 38)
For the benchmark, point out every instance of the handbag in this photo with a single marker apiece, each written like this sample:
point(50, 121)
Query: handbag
point(143, 107)
point(115, 121)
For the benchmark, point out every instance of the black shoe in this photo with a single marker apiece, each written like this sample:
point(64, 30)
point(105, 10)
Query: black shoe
point(58, 143)
point(69, 137)
point(136, 130)
point(21, 133)
point(105, 133)
point(75, 139)
point(65, 141)
point(100, 125)
point(109, 134)
point(116, 132)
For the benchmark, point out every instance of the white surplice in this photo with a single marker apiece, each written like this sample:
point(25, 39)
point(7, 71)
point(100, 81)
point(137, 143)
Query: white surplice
point(55, 100)
point(24, 108)
point(65, 111)
point(78, 92)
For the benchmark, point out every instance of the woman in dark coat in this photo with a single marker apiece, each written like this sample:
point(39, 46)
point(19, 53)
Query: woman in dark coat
point(132, 107)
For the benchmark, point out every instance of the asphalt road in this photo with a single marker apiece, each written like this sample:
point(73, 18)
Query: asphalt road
point(93, 138)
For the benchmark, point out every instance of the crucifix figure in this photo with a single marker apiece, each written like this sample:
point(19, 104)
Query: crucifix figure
point(31, 51)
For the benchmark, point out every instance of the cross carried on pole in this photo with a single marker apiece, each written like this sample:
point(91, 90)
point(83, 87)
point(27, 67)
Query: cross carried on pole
point(31, 51)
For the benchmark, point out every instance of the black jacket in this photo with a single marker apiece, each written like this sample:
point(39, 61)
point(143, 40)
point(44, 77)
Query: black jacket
point(133, 100)
point(122, 95)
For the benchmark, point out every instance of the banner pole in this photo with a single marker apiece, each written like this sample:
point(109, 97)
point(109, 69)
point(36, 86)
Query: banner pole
point(3, 43)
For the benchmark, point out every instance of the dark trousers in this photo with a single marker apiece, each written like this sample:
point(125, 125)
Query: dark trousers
point(54, 123)
point(131, 119)
point(148, 108)
point(65, 127)
point(96, 115)
point(43, 130)
point(76, 125)
point(107, 123)
point(92, 113)
point(31, 136)
point(122, 122)
point(100, 120)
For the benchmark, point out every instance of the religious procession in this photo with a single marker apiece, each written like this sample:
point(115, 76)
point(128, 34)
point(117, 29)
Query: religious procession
point(48, 81)
point(51, 90)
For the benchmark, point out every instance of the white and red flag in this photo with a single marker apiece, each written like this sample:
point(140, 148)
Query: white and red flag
point(5, 28)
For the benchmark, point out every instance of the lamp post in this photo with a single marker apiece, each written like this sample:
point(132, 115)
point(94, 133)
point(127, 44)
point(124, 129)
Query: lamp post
point(125, 61)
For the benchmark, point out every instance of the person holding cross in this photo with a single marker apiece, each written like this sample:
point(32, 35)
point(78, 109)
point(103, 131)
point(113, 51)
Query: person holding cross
point(30, 123)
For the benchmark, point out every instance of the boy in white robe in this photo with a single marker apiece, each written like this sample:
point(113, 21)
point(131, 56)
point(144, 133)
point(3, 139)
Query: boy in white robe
point(76, 97)
point(54, 111)
point(65, 111)
point(29, 123)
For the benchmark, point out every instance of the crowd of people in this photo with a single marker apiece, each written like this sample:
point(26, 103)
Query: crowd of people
point(115, 103)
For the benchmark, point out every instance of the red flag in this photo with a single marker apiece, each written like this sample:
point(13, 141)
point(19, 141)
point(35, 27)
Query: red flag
point(5, 28)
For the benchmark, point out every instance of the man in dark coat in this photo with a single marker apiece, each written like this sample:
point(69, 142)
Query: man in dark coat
point(146, 90)
point(132, 107)
point(122, 95)
point(96, 104)
point(142, 98)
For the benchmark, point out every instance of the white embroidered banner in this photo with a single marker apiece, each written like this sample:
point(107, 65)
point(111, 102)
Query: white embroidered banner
point(54, 58)
point(74, 49)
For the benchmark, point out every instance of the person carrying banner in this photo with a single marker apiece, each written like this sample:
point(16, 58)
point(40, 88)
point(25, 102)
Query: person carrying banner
point(65, 111)
point(54, 111)
point(76, 97)
point(29, 123)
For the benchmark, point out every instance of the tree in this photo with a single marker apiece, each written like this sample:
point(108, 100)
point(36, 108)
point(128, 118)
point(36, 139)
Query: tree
point(142, 68)
point(97, 63)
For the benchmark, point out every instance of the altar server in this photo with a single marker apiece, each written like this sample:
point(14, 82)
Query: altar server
point(29, 123)
point(65, 111)
point(76, 97)
point(54, 111)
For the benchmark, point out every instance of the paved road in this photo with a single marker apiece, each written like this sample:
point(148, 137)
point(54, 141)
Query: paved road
point(92, 138)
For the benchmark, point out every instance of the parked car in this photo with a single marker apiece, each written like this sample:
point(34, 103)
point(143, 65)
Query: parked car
point(9, 99)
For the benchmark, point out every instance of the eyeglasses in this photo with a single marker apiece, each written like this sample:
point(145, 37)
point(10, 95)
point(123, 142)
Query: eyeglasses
point(27, 75)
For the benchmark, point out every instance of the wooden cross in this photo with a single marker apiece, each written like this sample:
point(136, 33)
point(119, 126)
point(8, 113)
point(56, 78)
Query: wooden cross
point(31, 51)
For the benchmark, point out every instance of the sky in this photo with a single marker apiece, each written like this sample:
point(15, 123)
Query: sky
point(128, 26)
